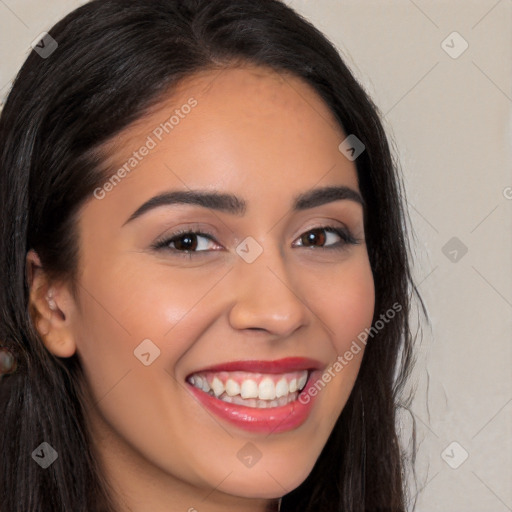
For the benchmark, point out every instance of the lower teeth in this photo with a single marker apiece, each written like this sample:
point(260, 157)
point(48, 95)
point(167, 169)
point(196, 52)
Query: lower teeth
point(256, 402)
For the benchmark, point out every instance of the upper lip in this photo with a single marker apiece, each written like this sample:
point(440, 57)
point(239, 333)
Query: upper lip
point(288, 364)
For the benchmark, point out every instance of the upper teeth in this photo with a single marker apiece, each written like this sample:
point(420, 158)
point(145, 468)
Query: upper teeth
point(250, 385)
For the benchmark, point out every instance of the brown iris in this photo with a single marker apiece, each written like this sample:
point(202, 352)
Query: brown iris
point(314, 235)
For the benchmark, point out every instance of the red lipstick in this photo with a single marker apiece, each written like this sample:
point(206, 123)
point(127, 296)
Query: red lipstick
point(267, 420)
point(288, 364)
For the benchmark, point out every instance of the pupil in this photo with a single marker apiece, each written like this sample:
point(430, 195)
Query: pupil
point(188, 243)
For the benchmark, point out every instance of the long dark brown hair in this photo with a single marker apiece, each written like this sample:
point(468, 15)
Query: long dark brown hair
point(115, 59)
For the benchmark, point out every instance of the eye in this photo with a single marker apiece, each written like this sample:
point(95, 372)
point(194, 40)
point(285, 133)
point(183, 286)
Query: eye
point(186, 241)
point(327, 241)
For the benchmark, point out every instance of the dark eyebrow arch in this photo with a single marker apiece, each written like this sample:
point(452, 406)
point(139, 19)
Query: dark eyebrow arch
point(229, 203)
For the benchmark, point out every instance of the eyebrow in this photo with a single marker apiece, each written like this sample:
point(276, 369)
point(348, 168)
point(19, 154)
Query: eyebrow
point(229, 203)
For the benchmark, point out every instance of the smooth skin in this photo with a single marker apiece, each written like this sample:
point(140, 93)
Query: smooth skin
point(265, 137)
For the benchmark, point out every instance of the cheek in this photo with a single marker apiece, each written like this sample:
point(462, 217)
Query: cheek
point(126, 303)
point(135, 401)
point(355, 307)
point(135, 317)
point(345, 304)
point(344, 299)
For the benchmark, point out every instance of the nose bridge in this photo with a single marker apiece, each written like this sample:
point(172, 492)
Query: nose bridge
point(265, 295)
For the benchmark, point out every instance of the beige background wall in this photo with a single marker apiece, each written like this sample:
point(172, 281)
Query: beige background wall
point(449, 116)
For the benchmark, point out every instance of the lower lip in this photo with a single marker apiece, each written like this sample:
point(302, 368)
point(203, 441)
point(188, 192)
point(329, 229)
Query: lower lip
point(272, 420)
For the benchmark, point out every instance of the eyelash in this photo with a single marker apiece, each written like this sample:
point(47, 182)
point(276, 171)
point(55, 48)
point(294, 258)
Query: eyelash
point(163, 245)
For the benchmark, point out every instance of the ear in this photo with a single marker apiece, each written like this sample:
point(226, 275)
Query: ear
point(51, 307)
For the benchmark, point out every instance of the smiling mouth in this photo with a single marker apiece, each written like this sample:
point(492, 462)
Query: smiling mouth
point(250, 389)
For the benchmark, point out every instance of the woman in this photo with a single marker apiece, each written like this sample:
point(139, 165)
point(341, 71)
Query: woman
point(178, 340)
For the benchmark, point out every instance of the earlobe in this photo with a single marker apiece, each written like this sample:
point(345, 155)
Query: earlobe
point(50, 309)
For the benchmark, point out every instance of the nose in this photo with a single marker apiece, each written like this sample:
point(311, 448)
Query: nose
point(267, 297)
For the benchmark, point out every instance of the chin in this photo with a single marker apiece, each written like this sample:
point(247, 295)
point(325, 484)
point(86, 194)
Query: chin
point(265, 483)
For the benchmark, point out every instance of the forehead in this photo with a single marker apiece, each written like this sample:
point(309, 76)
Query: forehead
point(240, 95)
point(248, 125)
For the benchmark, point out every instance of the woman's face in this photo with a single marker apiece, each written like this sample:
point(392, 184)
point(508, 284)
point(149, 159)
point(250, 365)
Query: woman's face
point(265, 294)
